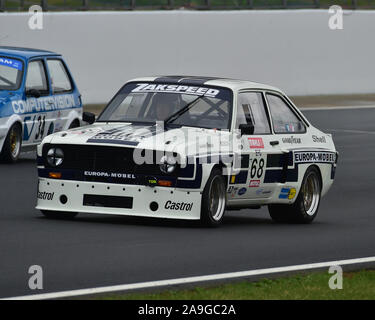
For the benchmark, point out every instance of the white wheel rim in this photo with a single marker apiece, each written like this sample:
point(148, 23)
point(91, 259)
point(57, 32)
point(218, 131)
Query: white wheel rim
point(311, 194)
point(216, 198)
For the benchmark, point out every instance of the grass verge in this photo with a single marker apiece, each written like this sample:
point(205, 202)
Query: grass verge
point(312, 286)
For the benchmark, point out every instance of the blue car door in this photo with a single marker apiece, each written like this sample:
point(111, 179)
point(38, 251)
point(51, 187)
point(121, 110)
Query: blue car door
point(37, 96)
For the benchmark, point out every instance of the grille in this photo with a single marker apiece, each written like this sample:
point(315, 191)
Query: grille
point(98, 158)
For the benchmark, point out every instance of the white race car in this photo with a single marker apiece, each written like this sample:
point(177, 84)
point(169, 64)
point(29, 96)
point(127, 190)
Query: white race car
point(188, 148)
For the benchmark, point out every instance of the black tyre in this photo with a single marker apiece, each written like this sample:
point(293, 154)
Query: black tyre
point(305, 208)
point(213, 200)
point(12, 145)
point(59, 214)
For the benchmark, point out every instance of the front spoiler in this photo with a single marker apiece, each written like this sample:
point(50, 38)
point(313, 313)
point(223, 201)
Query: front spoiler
point(168, 199)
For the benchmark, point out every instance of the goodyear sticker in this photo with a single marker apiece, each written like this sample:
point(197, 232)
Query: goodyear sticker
point(287, 193)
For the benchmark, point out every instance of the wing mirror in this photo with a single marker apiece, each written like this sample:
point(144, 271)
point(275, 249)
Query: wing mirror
point(33, 93)
point(88, 117)
point(246, 129)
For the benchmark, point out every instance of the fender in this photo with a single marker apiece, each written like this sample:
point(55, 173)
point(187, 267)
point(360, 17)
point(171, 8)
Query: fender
point(6, 124)
point(73, 115)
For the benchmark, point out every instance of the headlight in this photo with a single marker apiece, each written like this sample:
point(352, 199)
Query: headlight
point(55, 157)
point(167, 164)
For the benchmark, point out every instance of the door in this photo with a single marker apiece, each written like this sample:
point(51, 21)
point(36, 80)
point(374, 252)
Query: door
point(257, 148)
point(290, 132)
point(37, 97)
point(62, 90)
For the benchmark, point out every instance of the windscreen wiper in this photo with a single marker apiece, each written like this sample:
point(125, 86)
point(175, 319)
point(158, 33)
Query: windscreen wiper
point(180, 112)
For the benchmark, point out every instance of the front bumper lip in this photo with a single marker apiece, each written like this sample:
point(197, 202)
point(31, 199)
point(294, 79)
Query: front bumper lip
point(144, 198)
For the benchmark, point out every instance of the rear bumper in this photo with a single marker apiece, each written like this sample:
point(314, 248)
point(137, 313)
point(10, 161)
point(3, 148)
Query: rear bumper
point(117, 199)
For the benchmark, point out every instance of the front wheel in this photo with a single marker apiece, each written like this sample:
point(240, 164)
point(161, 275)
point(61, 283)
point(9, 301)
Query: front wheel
point(306, 206)
point(59, 214)
point(12, 144)
point(213, 200)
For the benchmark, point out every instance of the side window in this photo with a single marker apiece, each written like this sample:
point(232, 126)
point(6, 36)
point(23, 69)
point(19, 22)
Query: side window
point(251, 110)
point(36, 77)
point(59, 76)
point(283, 118)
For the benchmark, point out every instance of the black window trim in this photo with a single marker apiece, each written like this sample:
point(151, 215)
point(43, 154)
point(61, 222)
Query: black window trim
point(67, 72)
point(281, 96)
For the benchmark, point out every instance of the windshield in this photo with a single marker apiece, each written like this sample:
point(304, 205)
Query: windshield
point(181, 105)
point(10, 73)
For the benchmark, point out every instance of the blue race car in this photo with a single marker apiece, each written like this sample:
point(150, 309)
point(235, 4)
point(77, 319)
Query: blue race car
point(38, 96)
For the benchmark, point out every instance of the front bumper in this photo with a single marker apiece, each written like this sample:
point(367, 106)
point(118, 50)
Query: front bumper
point(118, 199)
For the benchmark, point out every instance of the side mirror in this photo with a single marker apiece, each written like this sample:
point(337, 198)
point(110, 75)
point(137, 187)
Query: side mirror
point(88, 117)
point(246, 129)
point(33, 93)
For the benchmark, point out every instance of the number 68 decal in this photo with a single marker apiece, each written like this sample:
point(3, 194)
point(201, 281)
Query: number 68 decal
point(256, 168)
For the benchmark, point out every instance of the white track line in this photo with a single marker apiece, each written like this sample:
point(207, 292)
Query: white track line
point(336, 108)
point(178, 281)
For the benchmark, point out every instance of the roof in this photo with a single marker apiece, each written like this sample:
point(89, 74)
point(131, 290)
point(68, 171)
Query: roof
point(25, 52)
point(233, 84)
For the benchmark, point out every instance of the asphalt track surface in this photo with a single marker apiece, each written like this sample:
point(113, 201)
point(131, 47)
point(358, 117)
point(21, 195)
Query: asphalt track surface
point(94, 251)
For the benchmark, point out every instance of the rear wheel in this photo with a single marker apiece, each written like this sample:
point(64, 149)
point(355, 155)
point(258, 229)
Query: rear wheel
point(59, 214)
point(12, 144)
point(306, 206)
point(213, 200)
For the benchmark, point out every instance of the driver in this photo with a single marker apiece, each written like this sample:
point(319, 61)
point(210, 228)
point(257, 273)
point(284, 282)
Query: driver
point(165, 105)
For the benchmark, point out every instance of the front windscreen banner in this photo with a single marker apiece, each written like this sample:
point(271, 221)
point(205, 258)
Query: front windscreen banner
point(11, 63)
point(173, 88)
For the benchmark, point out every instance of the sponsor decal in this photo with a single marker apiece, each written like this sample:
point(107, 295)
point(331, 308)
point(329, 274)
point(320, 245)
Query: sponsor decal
point(263, 192)
point(258, 153)
point(291, 140)
point(198, 91)
point(242, 191)
point(292, 193)
point(289, 127)
point(314, 156)
point(287, 193)
point(43, 104)
point(319, 139)
point(127, 134)
point(256, 143)
point(45, 195)
point(11, 63)
point(181, 206)
point(254, 183)
point(109, 174)
point(232, 190)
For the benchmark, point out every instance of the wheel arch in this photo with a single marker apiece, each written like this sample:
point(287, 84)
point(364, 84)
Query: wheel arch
point(319, 172)
point(221, 166)
point(11, 122)
point(75, 121)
